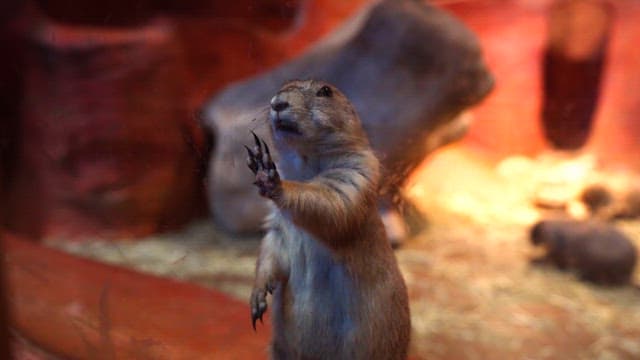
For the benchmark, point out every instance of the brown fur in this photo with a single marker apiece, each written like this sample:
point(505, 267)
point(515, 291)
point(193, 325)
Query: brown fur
point(337, 289)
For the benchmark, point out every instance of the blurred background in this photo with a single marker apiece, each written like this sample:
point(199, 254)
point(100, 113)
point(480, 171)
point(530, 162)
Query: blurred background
point(130, 229)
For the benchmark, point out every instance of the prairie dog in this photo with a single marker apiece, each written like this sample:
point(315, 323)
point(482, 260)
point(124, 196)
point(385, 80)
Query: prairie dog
point(337, 290)
point(598, 252)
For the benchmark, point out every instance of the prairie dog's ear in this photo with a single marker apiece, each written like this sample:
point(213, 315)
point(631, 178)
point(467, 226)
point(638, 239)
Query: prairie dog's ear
point(325, 91)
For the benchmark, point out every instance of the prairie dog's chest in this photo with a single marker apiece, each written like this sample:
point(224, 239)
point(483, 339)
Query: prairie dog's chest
point(294, 166)
point(301, 245)
point(311, 263)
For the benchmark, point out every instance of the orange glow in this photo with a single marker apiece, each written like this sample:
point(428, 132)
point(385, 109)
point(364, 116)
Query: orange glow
point(514, 190)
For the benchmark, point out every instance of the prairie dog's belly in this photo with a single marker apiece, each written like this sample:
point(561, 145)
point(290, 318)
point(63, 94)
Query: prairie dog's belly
point(323, 300)
point(315, 273)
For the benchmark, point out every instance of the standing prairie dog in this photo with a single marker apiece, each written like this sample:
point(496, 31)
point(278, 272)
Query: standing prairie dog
point(337, 290)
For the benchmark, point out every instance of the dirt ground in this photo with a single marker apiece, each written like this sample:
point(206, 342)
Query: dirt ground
point(474, 293)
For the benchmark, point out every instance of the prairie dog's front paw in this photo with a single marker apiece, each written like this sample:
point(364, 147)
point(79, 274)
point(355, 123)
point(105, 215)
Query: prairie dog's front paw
point(262, 165)
point(258, 304)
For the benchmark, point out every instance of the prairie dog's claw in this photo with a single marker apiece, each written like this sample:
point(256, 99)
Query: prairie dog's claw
point(251, 160)
point(261, 164)
point(258, 306)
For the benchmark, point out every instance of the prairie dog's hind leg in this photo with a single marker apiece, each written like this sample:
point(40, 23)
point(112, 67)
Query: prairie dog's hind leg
point(270, 271)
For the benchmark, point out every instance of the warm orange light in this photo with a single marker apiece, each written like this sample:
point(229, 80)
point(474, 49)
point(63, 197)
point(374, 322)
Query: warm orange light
point(514, 190)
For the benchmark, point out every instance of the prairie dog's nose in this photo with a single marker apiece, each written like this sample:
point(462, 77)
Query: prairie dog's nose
point(278, 104)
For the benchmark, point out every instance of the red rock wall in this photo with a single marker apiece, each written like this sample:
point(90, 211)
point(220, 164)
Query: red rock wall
point(108, 141)
point(103, 133)
point(222, 49)
point(514, 36)
point(616, 135)
point(11, 70)
point(4, 321)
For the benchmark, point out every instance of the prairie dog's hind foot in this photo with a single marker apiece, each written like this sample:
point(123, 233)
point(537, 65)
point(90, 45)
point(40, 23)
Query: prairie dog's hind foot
point(258, 304)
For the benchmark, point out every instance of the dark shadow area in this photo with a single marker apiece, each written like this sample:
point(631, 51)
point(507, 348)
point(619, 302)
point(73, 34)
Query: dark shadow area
point(4, 322)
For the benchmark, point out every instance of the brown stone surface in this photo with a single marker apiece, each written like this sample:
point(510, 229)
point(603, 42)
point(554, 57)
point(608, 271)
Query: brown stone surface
point(78, 308)
point(11, 71)
point(101, 13)
point(23, 349)
point(4, 324)
point(106, 145)
point(274, 14)
point(220, 48)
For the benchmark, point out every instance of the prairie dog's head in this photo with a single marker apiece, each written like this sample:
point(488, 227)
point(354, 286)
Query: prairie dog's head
point(539, 233)
point(554, 233)
point(307, 113)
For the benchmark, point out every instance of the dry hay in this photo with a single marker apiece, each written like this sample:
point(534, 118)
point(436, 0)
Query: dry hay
point(477, 296)
point(200, 254)
point(474, 294)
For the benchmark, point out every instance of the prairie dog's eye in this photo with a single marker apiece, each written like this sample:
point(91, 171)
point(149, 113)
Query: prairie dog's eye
point(325, 91)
